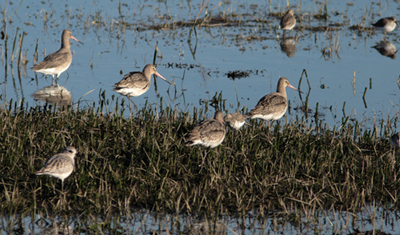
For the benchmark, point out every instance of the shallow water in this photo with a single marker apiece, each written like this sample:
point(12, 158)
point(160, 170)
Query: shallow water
point(144, 222)
point(112, 49)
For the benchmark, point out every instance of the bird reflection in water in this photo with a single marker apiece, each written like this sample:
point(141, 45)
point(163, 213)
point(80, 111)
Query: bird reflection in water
point(54, 95)
point(386, 48)
point(288, 46)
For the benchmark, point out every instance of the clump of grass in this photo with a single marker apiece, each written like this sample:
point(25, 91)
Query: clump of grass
point(141, 162)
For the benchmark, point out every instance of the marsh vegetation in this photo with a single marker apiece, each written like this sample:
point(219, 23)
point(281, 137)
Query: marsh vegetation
point(141, 162)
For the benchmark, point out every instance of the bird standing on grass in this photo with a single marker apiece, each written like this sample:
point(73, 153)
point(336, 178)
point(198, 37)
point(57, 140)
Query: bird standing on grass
point(60, 165)
point(208, 133)
point(235, 120)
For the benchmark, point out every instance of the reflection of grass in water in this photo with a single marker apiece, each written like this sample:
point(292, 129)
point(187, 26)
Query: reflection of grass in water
point(142, 162)
point(145, 222)
point(207, 16)
point(130, 16)
point(332, 48)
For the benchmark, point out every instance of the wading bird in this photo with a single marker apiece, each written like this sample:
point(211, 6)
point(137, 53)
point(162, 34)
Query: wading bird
point(288, 21)
point(59, 61)
point(386, 25)
point(136, 83)
point(273, 106)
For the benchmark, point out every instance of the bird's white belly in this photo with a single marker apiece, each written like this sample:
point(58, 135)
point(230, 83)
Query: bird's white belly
point(48, 71)
point(237, 124)
point(268, 117)
point(131, 91)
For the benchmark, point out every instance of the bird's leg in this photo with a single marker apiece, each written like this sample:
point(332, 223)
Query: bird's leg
point(203, 159)
point(54, 189)
point(63, 199)
point(130, 105)
point(393, 160)
point(269, 136)
point(261, 124)
point(57, 77)
point(135, 106)
point(271, 124)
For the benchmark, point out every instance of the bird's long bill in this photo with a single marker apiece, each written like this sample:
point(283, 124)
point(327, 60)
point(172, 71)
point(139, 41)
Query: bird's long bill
point(294, 88)
point(76, 39)
point(159, 75)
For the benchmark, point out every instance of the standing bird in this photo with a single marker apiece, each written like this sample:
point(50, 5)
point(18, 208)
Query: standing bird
point(396, 140)
point(235, 120)
point(60, 165)
point(208, 133)
point(136, 83)
point(386, 25)
point(288, 21)
point(56, 63)
point(273, 106)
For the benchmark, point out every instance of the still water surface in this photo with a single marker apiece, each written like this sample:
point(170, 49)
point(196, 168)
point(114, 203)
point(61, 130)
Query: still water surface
point(145, 222)
point(341, 64)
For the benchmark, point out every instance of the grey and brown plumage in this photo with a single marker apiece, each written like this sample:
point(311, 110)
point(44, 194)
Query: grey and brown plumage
point(59, 61)
point(288, 21)
point(273, 106)
point(136, 83)
point(208, 133)
point(60, 165)
point(386, 25)
point(396, 140)
point(235, 120)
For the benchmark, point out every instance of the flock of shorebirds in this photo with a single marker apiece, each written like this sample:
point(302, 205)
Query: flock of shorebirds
point(208, 133)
